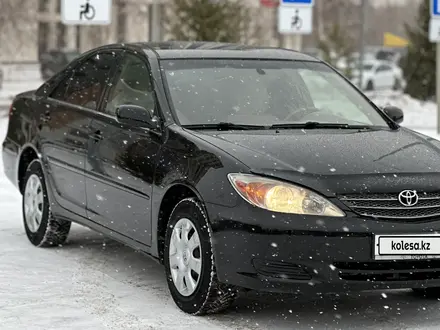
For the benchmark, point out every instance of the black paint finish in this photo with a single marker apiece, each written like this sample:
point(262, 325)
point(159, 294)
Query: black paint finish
point(122, 178)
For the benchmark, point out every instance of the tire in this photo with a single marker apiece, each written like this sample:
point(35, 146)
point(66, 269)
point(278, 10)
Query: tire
point(42, 229)
point(433, 293)
point(370, 86)
point(209, 296)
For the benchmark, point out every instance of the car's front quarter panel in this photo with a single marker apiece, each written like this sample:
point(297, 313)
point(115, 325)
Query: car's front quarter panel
point(186, 160)
point(189, 160)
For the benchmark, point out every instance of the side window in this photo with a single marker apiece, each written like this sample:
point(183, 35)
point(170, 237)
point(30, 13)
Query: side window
point(132, 86)
point(60, 91)
point(89, 80)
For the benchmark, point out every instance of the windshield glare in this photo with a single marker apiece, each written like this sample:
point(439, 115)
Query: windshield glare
point(256, 92)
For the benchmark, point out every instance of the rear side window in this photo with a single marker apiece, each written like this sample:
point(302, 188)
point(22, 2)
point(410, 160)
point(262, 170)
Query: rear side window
point(89, 80)
point(60, 91)
point(85, 85)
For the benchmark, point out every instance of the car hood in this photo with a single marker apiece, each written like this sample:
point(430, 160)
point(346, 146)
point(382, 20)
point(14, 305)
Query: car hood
point(337, 161)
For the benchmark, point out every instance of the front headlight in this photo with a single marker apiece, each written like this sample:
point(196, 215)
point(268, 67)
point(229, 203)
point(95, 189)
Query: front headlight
point(278, 196)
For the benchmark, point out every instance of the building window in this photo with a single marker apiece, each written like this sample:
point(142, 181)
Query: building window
point(61, 36)
point(122, 21)
point(43, 32)
point(43, 6)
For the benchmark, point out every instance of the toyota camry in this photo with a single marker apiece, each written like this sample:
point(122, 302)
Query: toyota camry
point(236, 167)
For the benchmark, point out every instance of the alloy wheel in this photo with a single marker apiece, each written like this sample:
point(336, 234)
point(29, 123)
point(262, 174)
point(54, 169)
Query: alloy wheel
point(185, 257)
point(33, 203)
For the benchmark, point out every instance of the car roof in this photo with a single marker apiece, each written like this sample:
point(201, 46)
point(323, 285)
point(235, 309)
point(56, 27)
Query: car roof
point(201, 49)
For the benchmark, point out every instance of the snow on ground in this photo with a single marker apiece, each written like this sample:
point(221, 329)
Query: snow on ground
point(95, 283)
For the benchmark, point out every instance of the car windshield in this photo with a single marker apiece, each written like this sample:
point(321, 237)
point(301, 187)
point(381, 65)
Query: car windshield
point(260, 92)
point(368, 67)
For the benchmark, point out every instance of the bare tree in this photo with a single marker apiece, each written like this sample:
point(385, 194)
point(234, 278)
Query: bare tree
point(338, 44)
point(16, 27)
point(381, 16)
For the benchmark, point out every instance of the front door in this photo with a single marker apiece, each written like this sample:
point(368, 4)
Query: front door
point(120, 161)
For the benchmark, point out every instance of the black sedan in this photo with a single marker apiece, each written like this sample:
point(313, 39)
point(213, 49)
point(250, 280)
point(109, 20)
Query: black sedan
point(236, 167)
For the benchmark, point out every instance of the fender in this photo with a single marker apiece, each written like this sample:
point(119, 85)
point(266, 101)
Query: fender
point(22, 149)
point(157, 199)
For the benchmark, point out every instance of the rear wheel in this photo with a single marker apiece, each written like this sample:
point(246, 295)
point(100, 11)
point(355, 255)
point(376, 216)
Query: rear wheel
point(189, 262)
point(42, 229)
point(370, 86)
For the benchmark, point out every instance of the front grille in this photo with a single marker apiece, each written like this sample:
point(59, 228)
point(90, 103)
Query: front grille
point(387, 206)
point(389, 271)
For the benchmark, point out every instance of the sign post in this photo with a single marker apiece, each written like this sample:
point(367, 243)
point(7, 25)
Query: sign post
point(86, 12)
point(434, 36)
point(295, 18)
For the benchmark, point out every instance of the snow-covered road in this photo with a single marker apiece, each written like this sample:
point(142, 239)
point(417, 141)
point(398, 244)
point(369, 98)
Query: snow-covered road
point(95, 283)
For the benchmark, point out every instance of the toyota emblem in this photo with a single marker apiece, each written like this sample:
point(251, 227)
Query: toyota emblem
point(408, 198)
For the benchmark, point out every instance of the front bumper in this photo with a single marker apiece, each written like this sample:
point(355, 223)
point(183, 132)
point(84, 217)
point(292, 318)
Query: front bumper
point(291, 255)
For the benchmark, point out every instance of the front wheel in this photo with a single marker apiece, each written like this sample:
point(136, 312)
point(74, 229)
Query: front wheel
point(189, 262)
point(42, 229)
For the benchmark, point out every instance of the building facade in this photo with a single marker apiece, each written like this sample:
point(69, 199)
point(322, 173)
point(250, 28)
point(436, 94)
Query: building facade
point(38, 28)
point(43, 29)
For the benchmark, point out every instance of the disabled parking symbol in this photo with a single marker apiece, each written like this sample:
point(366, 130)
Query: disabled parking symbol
point(296, 21)
point(87, 11)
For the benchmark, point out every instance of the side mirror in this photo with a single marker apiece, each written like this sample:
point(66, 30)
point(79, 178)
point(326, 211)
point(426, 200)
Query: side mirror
point(136, 115)
point(396, 114)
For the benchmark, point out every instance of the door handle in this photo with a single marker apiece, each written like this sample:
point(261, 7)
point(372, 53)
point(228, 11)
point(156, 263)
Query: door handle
point(97, 136)
point(45, 117)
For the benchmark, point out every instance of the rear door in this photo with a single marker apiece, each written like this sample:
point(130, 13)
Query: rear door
point(66, 128)
point(121, 158)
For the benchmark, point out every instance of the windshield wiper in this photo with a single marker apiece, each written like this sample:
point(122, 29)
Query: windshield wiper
point(315, 124)
point(224, 126)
